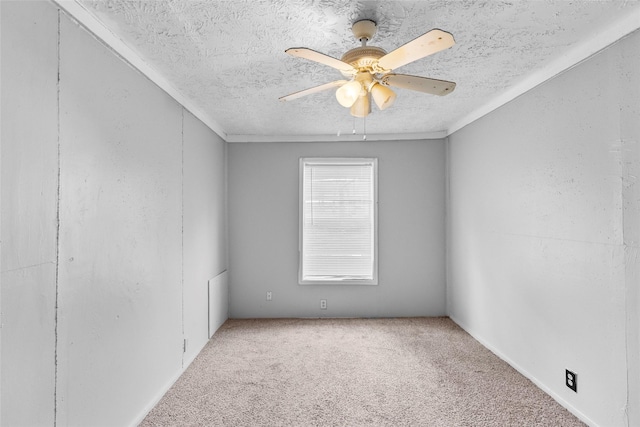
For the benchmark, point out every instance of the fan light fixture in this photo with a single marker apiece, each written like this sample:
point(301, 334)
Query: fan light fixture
point(369, 69)
point(362, 106)
point(348, 93)
point(383, 96)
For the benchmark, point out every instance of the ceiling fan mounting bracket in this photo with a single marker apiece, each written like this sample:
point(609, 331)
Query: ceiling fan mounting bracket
point(364, 30)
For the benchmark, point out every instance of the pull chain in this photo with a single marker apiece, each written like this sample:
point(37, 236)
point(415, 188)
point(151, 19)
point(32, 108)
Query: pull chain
point(364, 128)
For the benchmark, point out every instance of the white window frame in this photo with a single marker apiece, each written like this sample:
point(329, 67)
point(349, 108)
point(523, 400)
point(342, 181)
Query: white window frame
point(338, 280)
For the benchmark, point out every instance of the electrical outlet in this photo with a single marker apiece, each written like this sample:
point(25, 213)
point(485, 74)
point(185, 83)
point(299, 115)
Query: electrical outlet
point(323, 304)
point(268, 295)
point(571, 379)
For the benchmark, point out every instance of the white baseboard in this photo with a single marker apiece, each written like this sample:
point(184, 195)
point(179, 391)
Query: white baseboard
point(163, 390)
point(528, 375)
point(154, 401)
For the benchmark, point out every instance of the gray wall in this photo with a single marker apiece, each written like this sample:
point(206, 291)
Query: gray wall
point(543, 233)
point(29, 153)
point(204, 228)
point(111, 192)
point(263, 231)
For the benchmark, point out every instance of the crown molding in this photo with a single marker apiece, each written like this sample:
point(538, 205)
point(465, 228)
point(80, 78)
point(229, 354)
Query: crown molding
point(86, 19)
point(236, 138)
point(579, 53)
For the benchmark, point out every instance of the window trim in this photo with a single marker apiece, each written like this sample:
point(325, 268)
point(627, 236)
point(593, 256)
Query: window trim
point(338, 160)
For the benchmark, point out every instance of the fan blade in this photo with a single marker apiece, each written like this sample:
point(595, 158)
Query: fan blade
point(425, 45)
point(421, 84)
point(312, 55)
point(311, 90)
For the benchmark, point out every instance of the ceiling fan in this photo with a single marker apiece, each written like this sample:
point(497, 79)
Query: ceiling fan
point(369, 69)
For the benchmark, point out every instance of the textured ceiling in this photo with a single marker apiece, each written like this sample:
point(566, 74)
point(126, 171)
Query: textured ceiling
point(227, 57)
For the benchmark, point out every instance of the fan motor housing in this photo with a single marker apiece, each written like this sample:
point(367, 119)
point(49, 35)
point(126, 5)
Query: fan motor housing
point(363, 58)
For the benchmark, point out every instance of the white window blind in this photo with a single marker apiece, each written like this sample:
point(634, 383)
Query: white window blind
point(338, 221)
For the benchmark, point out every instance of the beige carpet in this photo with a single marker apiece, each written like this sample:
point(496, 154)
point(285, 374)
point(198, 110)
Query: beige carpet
point(352, 372)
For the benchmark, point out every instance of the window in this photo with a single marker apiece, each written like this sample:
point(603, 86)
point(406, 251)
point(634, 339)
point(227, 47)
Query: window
point(338, 221)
